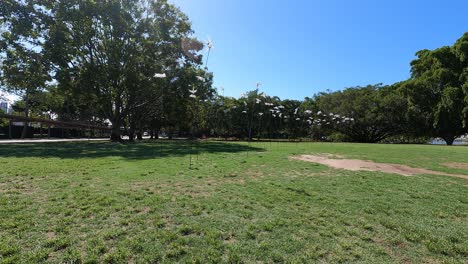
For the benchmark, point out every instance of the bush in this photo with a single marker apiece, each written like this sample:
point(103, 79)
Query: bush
point(338, 137)
point(406, 140)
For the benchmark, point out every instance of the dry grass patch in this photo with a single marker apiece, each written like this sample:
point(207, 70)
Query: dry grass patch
point(456, 165)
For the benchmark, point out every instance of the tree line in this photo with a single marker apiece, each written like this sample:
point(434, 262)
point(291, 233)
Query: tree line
point(137, 66)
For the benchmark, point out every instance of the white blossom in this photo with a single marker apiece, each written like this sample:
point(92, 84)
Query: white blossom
point(209, 43)
point(160, 75)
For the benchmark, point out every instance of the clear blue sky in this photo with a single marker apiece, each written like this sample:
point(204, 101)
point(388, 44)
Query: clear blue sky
point(297, 48)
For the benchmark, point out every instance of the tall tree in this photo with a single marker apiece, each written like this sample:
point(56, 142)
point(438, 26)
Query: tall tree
point(24, 69)
point(378, 112)
point(438, 90)
point(114, 49)
point(101, 55)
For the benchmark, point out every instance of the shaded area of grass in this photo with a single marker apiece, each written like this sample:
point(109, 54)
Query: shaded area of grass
point(137, 150)
point(97, 203)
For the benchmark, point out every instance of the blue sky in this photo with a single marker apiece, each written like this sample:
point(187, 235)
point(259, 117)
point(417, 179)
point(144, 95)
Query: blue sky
point(298, 48)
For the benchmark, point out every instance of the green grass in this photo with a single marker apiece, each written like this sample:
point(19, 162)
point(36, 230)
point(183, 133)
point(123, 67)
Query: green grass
point(140, 203)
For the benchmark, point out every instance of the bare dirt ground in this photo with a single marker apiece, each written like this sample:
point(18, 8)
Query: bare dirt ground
point(364, 165)
point(456, 165)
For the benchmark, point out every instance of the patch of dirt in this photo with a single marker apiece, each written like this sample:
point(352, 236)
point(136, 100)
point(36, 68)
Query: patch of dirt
point(230, 239)
point(456, 165)
point(390, 251)
point(144, 211)
point(363, 165)
point(255, 174)
point(50, 235)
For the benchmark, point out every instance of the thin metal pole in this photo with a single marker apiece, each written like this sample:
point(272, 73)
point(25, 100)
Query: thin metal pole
point(207, 57)
point(190, 155)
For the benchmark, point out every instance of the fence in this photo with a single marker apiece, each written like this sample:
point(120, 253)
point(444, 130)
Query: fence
point(44, 128)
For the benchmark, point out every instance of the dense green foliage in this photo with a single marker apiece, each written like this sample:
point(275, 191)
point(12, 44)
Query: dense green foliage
point(438, 90)
point(100, 58)
point(377, 111)
point(136, 65)
point(139, 203)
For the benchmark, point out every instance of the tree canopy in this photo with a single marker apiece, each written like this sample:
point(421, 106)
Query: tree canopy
point(136, 65)
point(437, 91)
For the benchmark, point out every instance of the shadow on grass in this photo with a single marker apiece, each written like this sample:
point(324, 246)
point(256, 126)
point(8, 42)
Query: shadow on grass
point(139, 150)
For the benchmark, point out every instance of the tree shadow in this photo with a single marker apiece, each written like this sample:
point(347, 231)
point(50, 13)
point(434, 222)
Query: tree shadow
point(138, 150)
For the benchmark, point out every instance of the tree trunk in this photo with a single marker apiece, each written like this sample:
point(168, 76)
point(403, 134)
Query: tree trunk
point(117, 121)
point(26, 112)
point(115, 134)
point(131, 134)
point(139, 133)
point(449, 140)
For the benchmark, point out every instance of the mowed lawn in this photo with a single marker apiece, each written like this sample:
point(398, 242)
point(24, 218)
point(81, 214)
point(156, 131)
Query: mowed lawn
point(140, 203)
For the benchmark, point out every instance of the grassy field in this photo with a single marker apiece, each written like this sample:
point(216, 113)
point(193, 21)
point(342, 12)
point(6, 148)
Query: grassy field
point(140, 203)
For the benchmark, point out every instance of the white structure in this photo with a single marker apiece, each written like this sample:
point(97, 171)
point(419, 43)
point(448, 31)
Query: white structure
point(4, 107)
